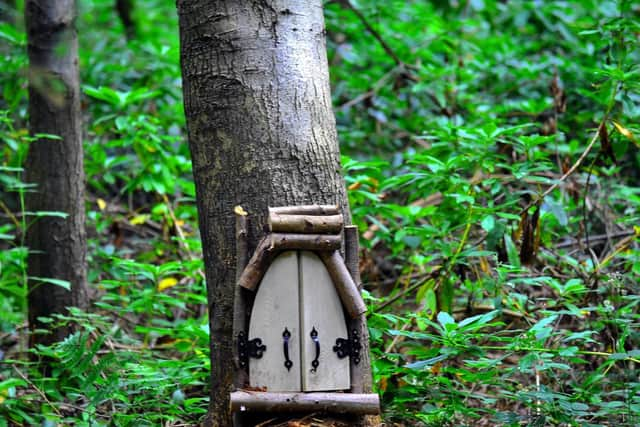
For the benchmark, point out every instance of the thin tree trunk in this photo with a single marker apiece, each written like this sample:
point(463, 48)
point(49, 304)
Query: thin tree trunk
point(261, 133)
point(125, 13)
point(57, 246)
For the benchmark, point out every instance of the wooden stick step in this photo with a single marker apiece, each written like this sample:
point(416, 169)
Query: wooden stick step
point(340, 403)
point(342, 280)
point(313, 224)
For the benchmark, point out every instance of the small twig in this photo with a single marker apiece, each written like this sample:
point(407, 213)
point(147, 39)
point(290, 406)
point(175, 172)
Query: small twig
point(574, 267)
point(596, 238)
point(571, 170)
point(10, 214)
point(177, 227)
point(594, 259)
point(538, 401)
point(181, 236)
point(374, 33)
point(392, 280)
point(621, 246)
point(266, 423)
point(40, 392)
point(399, 338)
point(463, 242)
point(433, 274)
point(375, 88)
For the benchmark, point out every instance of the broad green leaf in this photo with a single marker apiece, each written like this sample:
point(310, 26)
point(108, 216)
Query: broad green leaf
point(57, 282)
point(445, 319)
point(47, 213)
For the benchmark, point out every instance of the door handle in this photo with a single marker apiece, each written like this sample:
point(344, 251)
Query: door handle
point(285, 339)
point(315, 363)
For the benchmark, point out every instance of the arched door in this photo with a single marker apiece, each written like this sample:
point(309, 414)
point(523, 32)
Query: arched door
point(298, 315)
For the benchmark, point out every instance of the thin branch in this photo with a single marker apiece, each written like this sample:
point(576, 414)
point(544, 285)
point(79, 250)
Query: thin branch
point(374, 33)
point(181, 237)
point(433, 274)
point(40, 392)
point(399, 338)
point(596, 238)
point(370, 93)
point(573, 168)
point(10, 214)
point(620, 247)
point(594, 259)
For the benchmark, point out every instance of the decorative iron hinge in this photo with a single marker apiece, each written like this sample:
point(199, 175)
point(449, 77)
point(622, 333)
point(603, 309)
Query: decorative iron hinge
point(349, 347)
point(249, 348)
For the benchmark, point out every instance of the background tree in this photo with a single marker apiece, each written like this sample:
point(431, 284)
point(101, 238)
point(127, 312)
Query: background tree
point(124, 8)
point(54, 165)
point(261, 132)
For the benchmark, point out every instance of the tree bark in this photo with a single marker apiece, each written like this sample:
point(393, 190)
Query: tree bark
point(57, 246)
point(261, 133)
point(125, 13)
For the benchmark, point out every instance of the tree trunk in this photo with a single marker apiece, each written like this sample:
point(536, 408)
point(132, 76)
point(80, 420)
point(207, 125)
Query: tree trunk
point(57, 246)
point(261, 133)
point(125, 13)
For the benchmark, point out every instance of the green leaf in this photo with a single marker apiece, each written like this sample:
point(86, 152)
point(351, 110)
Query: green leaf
point(557, 210)
point(478, 321)
point(541, 329)
point(421, 364)
point(47, 213)
point(445, 319)
point(512, 251)
point(57, 282)
point(103, 93)
point(12, 382)
point(48, 136)
point(11, 34)
point(488, 223)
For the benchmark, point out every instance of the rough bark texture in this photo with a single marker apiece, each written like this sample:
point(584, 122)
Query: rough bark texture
point(240, 314)
point(57, 246)
point(261, 132)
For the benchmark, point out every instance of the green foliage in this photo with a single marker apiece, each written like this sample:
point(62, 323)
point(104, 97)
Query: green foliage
point(140, 357)
point(501, 291)
point(455, 155)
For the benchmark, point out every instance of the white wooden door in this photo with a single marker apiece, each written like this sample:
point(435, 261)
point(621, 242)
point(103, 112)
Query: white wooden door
point(297, 297)
point(321, 314)
point(275, 311)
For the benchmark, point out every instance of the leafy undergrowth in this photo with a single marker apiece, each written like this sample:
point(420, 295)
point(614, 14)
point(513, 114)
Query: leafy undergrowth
point(499, 207)
point(491, 155)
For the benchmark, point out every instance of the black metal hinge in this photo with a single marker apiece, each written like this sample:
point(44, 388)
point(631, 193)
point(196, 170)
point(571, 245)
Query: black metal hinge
point(349, 347)
point(249, 348)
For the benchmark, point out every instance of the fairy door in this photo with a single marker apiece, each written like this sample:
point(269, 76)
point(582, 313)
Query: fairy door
point(298, 315)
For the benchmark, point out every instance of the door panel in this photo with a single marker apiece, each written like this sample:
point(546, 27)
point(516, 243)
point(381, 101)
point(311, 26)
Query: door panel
point(321, 311)
point(276, 307)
